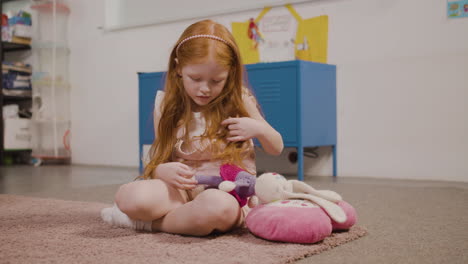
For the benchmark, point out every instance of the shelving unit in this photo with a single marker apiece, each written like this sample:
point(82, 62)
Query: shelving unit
point(10, 46)
point(7, 99)
point(50, 123)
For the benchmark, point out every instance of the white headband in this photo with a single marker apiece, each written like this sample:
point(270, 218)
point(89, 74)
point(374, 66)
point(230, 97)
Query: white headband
point(201, 36)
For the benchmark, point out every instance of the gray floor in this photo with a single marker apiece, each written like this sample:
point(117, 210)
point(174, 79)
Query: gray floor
point(408, 221)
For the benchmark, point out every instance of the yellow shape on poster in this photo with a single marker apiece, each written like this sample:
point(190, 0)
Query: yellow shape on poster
point(312, 39)
point(249, 52)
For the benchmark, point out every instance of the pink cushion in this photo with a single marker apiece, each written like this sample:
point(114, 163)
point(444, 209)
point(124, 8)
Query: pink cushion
point(351, 217)
point(294, 221)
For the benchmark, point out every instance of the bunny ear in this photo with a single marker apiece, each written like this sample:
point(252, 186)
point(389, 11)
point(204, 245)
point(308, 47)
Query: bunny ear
point(333, 210)
point(302, 187)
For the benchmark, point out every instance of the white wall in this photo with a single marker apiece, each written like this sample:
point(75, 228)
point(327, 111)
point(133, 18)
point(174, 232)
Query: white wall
point(402, 85)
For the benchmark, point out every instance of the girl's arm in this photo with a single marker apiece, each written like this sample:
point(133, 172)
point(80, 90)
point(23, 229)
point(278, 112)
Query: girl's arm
point(271, 140)
point(176, 174)
point(245, 128)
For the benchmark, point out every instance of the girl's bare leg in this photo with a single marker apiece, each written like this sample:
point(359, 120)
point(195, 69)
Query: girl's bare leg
point(210, 210)
point(148, 200)
point(170, 211)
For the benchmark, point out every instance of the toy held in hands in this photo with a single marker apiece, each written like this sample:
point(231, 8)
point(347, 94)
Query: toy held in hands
point(293, 211)
point(233, 180)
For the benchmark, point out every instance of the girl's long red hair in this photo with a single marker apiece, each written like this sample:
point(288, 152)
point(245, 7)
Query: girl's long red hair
point(176, 105)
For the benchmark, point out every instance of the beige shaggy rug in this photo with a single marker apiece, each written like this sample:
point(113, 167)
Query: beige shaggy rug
point(37, 230)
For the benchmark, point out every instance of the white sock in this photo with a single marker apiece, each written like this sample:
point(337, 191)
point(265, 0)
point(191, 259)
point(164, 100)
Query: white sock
point(115, 217)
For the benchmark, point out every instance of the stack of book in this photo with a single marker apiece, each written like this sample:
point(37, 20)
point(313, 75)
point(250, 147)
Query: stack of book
point(16, 79)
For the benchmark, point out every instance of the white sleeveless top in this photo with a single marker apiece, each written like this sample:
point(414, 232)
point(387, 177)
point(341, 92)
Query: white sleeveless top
point(195, 153)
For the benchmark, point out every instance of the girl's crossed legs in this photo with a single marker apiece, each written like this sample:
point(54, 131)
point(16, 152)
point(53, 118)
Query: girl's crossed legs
point(171, 211)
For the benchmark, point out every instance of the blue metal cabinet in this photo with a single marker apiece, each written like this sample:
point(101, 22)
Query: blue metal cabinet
point(273, 85)
point(298, 98)
point(149, 84)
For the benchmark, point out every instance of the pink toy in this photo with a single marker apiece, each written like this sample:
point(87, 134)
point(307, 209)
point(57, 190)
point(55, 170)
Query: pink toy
point(293, 211)
point(351, 217)
point(233, 180)
point(294, 221)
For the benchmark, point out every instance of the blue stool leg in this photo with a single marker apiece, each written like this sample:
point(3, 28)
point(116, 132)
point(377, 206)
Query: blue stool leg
point(334, 160)
point(300, 163)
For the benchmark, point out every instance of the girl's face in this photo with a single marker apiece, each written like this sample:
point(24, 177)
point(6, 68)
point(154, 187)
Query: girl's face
point(203, 82)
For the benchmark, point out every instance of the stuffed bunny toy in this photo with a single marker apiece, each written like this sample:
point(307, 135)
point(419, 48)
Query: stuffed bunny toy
point(292, 211)
point(273, 186)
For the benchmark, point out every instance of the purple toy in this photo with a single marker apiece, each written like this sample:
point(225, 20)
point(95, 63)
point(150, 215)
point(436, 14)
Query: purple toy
point(233, 180)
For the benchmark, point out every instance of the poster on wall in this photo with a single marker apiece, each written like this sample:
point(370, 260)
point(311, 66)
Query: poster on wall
point(282, 35)
point(279, 31)
point(457, 9)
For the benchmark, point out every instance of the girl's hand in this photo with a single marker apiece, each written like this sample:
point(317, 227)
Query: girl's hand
point(243, 128)
point(176, 174)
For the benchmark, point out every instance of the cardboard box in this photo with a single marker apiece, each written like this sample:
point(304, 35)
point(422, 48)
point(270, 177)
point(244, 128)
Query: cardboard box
point(17, 133)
